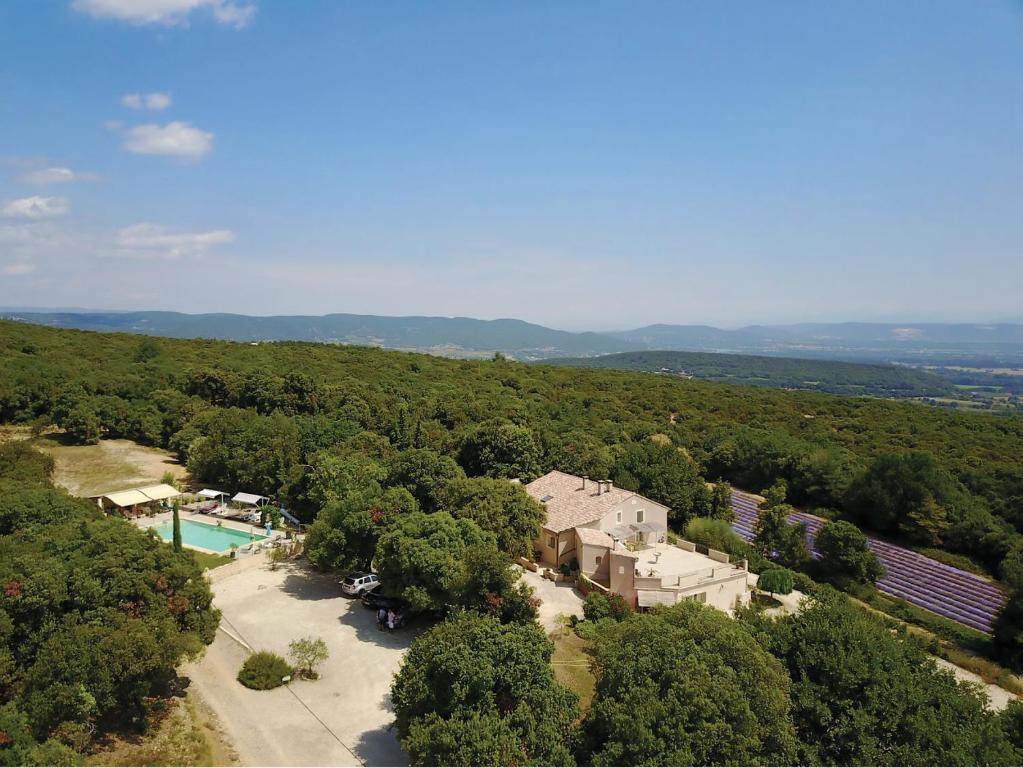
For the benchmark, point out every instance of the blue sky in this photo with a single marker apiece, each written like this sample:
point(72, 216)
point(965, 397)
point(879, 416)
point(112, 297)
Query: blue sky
point(579, 164)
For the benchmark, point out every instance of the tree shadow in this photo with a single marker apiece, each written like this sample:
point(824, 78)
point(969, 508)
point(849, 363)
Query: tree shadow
point(303, 583)
point(364, 621)
point(380, 746)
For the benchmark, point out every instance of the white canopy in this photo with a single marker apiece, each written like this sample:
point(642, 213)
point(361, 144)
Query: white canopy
point(209, 493)
point(250, 498)
point(127, 498)
point(160, 492)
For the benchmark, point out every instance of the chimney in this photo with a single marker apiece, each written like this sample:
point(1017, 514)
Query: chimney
point(585, 478)
point(609, 486)
point(600, 487)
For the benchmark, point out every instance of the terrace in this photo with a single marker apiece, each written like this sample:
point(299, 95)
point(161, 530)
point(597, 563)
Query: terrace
point(666, 573)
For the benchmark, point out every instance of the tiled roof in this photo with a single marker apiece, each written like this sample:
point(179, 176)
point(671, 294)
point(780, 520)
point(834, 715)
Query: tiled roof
point(594, 536)
point(568, 505)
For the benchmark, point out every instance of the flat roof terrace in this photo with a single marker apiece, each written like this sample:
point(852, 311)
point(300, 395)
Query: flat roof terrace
point(670, 562)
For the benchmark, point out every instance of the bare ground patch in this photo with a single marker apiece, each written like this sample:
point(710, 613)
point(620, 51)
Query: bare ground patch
point(85, 470)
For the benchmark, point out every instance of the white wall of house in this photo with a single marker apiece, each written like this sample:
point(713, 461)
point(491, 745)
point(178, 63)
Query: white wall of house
point(723, 595)
point(630, 511)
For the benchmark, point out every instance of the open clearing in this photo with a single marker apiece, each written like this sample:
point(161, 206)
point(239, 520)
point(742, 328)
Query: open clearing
point(111, 465)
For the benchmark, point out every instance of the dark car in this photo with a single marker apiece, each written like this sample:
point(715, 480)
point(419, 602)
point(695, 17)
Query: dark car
point(376, 599)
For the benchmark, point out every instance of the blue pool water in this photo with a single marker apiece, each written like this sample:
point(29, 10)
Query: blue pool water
point(204, 536)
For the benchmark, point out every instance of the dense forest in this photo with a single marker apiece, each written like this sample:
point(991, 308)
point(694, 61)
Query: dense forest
point(95, 615)
point(283, 419)
point(401, 460)
point(779, 372)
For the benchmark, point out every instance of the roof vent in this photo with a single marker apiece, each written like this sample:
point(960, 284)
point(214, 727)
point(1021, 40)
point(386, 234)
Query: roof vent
point(545, 499)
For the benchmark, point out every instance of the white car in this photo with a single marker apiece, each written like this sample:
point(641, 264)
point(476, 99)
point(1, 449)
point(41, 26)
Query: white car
point(359, 582)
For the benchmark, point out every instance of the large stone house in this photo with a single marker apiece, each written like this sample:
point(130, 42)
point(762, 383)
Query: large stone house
point(617, 538)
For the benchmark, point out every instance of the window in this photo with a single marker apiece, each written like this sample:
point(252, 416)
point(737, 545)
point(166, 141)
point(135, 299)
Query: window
point(598, 560)
point(699, 597)
point(621, 570)
point(552, 542)
point(640, 514)
point(618, 517)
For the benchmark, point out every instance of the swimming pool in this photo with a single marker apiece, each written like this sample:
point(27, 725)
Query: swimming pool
point(210, 537)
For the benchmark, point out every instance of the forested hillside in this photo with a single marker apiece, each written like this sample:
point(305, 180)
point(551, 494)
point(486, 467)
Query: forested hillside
point(779, 372)
point(385, 450)
point(301, 398)
point(280, 418)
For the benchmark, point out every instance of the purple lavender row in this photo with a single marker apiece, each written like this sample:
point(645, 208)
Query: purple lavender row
point(942, 589)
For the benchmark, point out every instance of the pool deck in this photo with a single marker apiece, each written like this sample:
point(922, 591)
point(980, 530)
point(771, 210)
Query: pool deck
point(235, 525)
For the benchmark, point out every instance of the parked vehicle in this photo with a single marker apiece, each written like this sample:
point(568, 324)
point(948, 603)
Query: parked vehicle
point(356, 583)
point(376, 599)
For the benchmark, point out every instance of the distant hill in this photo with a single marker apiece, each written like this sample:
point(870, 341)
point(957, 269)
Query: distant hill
point(971, 343)
point(449, 336)
point(779, 372)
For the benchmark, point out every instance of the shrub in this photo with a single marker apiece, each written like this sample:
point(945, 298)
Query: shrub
point(599, 606)
point(264, 670)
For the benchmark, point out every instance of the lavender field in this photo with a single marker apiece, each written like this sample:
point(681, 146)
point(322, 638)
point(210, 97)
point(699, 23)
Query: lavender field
point(939, 588)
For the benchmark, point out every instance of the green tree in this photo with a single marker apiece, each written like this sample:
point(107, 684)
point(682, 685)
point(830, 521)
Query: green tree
point(423, 558)
point(473, 691)
point(779, 539)
point(1008, 631)
point(503, 508)
point(425, 474)
point(500, 449)
point(83, 424)
point(863, 696)
point(345, 533)
point(897, 485)
point(775, 581)
point(667, 475)
point(307, 653)
point(686, 686)
point(721, 502)
point(844, 555)
point(177, 528)
point(715, 534)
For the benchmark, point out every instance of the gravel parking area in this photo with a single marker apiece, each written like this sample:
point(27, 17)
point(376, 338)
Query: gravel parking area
point(340, 719)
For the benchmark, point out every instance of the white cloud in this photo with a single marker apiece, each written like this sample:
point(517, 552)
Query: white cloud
point(55, 175)
point(167, 13)
point(155, 241)
point(157, 101)
point(177, 139)
point(151, 101)
point(18, 268)
point(36, 207)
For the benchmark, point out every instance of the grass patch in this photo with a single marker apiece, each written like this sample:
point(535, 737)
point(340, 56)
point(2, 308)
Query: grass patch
point(967, 639)
point(207, 560)
point(111, 465)
point(571, 664)
point(179, 736)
